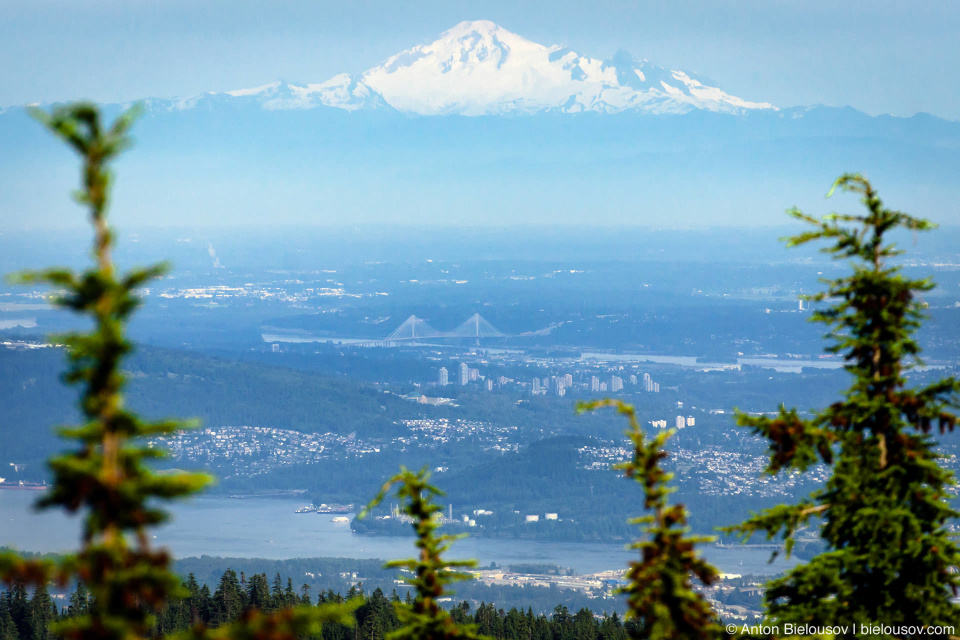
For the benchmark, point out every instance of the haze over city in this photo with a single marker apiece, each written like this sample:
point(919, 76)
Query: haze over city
point(518, 274)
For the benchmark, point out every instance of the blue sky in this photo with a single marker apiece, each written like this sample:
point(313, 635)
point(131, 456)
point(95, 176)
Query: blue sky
point(879, 56)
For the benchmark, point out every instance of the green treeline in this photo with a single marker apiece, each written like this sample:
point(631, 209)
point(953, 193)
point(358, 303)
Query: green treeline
point(215, 391)
point(323, 574)
point(27, 616)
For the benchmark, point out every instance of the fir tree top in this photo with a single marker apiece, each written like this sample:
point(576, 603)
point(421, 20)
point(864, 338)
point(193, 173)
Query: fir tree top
point(107, 477)
point(884, 511)
point(424, 618)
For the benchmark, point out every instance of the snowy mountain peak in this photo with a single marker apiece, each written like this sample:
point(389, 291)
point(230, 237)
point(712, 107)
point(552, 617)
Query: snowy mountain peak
point(479, 68)
point(487, 27)
point(475, 30)
point(253, 91)
point(467, 45)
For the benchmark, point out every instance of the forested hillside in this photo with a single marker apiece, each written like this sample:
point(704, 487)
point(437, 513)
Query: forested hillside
point(217, 392)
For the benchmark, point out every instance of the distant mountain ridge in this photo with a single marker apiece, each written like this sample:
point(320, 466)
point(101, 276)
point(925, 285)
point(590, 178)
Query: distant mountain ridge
point(483, 127)
point(479, 68)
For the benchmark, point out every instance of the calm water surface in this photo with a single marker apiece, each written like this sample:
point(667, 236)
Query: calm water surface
point(269, 528)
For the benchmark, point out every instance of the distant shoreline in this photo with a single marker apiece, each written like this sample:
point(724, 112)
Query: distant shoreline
point(277, 493)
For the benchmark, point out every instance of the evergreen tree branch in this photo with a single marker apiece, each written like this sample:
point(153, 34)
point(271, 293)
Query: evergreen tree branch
point(424, 618)
point(660, 592)
point(885, 508)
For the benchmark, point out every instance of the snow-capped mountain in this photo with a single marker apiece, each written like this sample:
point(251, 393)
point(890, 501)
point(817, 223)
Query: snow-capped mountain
point(347, 150)
point(479, 68)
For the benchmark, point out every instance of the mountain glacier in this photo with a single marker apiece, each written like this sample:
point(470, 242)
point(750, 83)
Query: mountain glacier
point(478, 68)
point(553, 137)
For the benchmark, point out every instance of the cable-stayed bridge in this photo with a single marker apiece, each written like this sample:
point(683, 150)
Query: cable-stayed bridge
point(413, 328)
point(474, 327)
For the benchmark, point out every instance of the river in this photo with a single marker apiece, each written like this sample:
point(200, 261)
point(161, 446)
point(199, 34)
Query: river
point(269, 528)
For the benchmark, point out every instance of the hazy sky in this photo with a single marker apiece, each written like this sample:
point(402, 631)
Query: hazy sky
point(878, 56)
